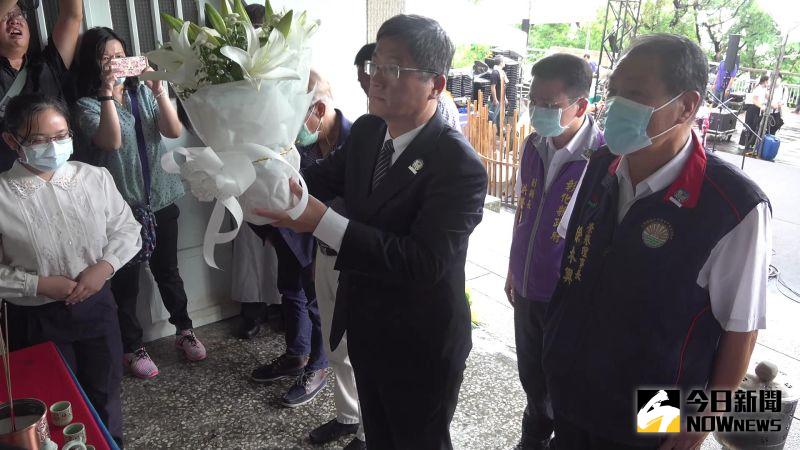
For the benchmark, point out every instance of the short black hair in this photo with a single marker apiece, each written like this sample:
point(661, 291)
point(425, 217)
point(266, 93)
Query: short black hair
point(574, 72)
point(256, 13)
point(498, 59)
point(763, 79)
point(430, 47)
point(682, 64)
point(23, 109)
point(364, 54)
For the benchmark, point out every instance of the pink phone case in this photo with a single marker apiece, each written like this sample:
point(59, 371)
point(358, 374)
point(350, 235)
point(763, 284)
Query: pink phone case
point(128, 67)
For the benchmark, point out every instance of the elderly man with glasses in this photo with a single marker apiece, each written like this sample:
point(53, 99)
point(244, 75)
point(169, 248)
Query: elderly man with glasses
point(415, 191)
point(42, 72)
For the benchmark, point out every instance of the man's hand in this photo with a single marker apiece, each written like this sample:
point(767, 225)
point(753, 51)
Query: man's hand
point(56, 287)
point(509, 290)
point(683, 441)
point(306, 223)
point(90, 281)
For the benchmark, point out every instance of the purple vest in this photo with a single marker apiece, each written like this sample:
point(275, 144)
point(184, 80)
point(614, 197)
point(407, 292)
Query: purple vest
point(536, 248)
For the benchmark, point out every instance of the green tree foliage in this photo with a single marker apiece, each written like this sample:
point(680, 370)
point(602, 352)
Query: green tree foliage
point(708, 22)
point(467, 54)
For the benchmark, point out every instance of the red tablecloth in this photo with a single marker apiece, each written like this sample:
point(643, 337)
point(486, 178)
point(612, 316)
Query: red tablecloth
point(40, 372)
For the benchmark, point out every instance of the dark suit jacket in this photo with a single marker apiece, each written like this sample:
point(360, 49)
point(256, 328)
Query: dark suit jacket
point(401, 289)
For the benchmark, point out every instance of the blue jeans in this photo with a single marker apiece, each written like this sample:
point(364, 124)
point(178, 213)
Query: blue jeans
point(300, 311)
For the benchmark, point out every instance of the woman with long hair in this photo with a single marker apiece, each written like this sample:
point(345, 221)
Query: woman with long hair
point(65, 230)
point(122, 122)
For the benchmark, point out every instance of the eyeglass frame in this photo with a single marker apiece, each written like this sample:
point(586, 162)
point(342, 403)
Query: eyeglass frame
point(398, 71)
point(46, 140)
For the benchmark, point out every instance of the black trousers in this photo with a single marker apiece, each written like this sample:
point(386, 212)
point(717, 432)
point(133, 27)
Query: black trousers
point(406, 409)
point(164, 266)
point(537, 420)
point(87, 334)
point(570, 436)
point(752, 117)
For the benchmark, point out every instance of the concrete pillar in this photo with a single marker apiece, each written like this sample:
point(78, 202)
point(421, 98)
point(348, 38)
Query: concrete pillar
point(380, 10)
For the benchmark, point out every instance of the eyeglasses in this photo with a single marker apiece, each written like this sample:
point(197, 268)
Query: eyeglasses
point(43, 140)
point(391, 70)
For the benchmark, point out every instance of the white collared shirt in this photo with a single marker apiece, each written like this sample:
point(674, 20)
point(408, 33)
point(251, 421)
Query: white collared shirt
point(332, 226)
point(554, 158)
point(60, 227)
point(736, 271)
point(659, 180)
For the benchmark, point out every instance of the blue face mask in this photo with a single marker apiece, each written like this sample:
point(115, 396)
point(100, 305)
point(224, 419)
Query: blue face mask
point(547, 121)
point(119, 81)
point(47, 157)
point(305, 137)
point(626, 125)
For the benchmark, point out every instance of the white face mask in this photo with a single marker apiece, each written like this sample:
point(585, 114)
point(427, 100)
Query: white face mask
point(47, 157)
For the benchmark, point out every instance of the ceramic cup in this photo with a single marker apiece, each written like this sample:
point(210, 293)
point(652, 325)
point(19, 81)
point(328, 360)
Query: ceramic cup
point(61, 413)
point(74, 445)
point(75, 432)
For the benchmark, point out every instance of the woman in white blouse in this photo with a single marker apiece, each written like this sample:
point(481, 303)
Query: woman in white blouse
point(65, 230)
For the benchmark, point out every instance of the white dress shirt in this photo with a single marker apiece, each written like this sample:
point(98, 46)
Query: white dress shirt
point(554, 158)
point(737, 269)
point(332, 226)
point(60, 227)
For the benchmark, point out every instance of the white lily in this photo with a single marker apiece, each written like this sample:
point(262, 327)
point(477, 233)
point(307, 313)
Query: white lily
point(302, 29)
point(262, 63)
point(177, 64)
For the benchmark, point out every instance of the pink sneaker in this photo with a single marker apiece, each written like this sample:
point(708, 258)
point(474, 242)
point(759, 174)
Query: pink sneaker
point(140, 364)
point(192, 347)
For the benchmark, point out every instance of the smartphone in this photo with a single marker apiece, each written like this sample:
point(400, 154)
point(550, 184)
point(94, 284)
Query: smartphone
point(128, 67)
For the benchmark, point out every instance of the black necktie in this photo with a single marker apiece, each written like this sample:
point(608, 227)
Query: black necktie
point(383, 163)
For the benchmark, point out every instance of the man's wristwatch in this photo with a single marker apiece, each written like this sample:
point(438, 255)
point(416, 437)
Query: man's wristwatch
point(105, 98)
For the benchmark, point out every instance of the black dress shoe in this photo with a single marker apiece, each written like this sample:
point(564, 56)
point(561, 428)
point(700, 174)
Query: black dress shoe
point(249, 329)
point(331, 431)
point(356, 444)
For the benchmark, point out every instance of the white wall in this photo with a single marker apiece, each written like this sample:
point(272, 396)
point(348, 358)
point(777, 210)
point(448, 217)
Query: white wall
point(342, 33)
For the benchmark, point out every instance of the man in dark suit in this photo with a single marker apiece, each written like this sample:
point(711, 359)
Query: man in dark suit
point(415, 190)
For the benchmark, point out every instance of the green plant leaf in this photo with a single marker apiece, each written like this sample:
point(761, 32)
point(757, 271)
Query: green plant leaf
point(285, 24)
point(216, 19)
point(173, 22)
point(225, 8)
point(238, 8)
point(194, 31)
point(268, 7)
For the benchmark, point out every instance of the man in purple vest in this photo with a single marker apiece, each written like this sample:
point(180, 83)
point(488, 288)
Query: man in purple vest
point(664, 274)
point(554, 158)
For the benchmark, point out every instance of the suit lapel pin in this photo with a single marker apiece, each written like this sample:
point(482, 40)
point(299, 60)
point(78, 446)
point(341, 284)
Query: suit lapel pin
point(416, 166)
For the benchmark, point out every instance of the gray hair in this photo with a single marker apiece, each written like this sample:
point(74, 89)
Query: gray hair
point(429, 45)
point(682, 64)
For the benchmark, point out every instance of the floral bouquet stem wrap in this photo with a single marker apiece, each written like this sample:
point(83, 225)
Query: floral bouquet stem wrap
point(245, 92)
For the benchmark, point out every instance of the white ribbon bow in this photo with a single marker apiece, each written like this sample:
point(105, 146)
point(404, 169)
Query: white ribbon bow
point(224, 177)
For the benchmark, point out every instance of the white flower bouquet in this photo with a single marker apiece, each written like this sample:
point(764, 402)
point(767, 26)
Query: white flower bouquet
point(245, 92)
